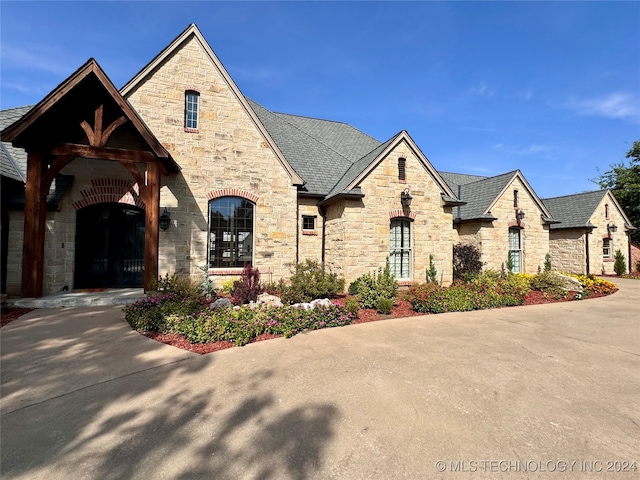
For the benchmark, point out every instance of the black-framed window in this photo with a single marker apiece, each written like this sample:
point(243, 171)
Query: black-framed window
point(515, 198)
point(191, 107)
point(402, 169)
point(308, 222)
point(231, 223)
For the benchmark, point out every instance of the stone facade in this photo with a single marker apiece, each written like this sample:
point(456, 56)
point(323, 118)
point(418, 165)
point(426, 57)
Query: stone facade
point(226, 151)
point(607, 213)
point(358, 231)
point(568, 250)
point(309, 241)
point(492, 238)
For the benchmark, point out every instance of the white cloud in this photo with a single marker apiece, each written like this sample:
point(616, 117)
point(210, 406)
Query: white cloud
point(38, 57)
point(481, 90)
point(614, 105)
point(532, 149)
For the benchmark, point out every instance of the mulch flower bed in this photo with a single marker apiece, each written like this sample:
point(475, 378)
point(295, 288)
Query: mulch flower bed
point(402, 309)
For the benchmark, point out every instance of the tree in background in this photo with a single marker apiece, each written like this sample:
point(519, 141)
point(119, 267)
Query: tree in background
point(624, 182)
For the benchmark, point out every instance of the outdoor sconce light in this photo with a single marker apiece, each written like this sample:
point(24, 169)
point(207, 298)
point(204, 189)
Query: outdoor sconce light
point(165, 220)
point(405, 198)
point(612, 228)
point(519, 215)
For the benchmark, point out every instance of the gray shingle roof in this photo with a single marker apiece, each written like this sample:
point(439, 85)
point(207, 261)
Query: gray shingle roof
point(13, 161)
point(574, 211)
point(320, 151)
point(455, 179)
point(480, 194)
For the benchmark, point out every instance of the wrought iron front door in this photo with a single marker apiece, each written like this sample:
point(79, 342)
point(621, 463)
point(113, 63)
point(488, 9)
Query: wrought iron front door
point(109, 246)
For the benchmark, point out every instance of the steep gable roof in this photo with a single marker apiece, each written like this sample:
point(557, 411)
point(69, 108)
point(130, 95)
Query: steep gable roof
point(192, 31)
point(320, 151)
point(481, 195)
point(13, 161)
point(575, 211)
point(456, 179)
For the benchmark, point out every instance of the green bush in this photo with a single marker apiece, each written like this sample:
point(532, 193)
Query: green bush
point(149, 313)
point(432, 272)
point(384, 305)
point(310, 281)
point(352, 305)
point(548, 283)
point(547, 262)
point(371, 287)
point(619, 265)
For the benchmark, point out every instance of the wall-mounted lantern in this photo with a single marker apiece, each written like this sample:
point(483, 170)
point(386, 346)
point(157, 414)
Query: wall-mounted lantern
point(405, 198)
point(612, 228)
point(519, 215)
point(165, 220)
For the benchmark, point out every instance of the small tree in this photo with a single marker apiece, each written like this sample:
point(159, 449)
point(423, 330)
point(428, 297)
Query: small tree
point(432, 273)
point(466, 260)
point(619, 265)
point(510, 262)
point(248, 287)
point(547, 262)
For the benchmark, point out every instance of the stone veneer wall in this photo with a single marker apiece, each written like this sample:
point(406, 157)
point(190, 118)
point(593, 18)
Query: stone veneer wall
point(493, 238)
point(14, 255)
point(619, 239)
point(310, 242)
point(227, 151)
point(568, 250)
point(357, 238)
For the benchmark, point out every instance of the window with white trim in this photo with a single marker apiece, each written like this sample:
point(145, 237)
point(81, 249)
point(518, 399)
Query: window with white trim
point(400, 256)
point(515, 249)
point(606, 248)
point(231, 221)
point(191, 107)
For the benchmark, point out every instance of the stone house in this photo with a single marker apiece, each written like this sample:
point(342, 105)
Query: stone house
point(178, 172)
point(503, 217)
point(592, 228)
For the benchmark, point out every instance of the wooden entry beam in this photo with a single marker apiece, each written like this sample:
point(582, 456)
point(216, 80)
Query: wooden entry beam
point(35, 215)
point(151, 197)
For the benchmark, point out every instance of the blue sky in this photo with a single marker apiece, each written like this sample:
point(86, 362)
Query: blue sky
point(551, 88)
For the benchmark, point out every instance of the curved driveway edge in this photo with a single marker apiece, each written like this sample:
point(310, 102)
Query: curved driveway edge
point(547, 391)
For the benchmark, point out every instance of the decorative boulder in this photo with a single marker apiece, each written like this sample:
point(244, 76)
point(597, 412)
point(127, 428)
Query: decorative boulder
point(570, 284)
point(271, 300)
point(322, 302)
point(220, 304)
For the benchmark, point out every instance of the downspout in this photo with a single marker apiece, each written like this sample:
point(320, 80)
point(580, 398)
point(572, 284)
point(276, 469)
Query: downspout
point(588, 231)
point(297, 230)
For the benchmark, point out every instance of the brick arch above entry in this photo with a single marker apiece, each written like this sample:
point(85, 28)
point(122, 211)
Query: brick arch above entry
point(402, 214)
point(110, 190)
point(232, 192)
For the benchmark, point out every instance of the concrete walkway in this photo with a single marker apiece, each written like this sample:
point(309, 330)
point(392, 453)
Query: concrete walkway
point(549, 391)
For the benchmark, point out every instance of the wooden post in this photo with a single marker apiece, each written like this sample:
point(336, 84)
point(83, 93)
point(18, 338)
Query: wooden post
point(151, 229)
point(35, 212)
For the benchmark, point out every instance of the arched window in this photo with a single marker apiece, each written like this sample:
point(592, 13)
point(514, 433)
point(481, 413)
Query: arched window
point(191, 106)
point(231, 222)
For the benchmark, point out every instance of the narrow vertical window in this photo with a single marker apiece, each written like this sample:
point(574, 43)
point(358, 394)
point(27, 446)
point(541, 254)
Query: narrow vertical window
point(515, 198)
point(400, 251)
point(606, 211)
point(606, 248)
point(402, 169)
point(515, 249)
point(191, 100)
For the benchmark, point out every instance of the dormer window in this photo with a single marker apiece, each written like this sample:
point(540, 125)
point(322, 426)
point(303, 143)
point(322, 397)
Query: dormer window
point(191, 101)
point(402, 169)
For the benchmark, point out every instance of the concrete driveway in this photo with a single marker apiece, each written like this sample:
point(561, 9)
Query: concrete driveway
point(550, 391)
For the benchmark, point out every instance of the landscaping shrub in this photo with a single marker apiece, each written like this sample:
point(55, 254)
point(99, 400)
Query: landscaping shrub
point(310, 281)
point(432, 273)
point(371, 287)
point(638, 266)
point(352, 305)
point(248, 287)
point(619, 265)
point(227, 285)
point(149, 313)
point(593, 284)
point(466, 260)
point(548, 283)
point(384, 305)
point(547, 262)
